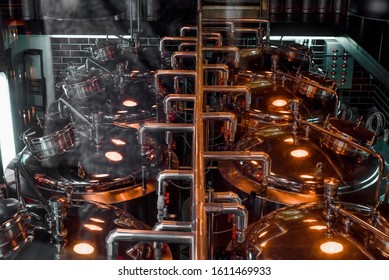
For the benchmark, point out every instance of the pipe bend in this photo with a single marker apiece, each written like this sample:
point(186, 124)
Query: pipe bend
point(226, 197)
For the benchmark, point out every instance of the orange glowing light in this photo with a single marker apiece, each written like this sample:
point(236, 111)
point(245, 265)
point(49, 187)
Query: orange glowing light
point(83, 249)
point(279, 102)
point(122, 112)
point(118, 142)
point(318, 227)
point(299, 153)
point(96, 220)
point(254, 162)
point(331, 247)
point(284, 112)
point(309, 221)
point(100, 175)
point(305, 176)
point(114, 156)
point(129, 103)
point(262, 234)
point(93, 227)
point(288, 140)
point(310, 182)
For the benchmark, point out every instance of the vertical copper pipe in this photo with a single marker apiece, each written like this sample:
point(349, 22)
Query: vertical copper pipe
point(199, 218)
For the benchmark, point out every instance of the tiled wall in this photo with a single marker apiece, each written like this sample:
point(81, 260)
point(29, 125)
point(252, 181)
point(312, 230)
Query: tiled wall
point(365, 93)
point(363, 90)
point(67, 51)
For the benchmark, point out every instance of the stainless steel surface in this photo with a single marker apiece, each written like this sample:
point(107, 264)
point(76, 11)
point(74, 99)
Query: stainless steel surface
point(50, 140)
point(270, 95)
point(347, 129)
point(237, 209)
point(199, 220)
point(303, 232)
point(294, 179)
point(177, 148)
point(15, 227)
point(121, 234)
point(95, 177)
point(87, 224)
point(363, 149)
point(104, 51)
point(176, 97)
point(313, 91)
point(83, 84)
point(161, 189)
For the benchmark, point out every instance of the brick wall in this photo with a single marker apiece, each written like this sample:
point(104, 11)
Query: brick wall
point(67, 51)
point(365, 93)
point(361, 95)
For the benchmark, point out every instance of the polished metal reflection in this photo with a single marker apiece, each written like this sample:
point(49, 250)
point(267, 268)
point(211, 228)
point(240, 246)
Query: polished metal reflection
point(299, 179)
point(304, 232)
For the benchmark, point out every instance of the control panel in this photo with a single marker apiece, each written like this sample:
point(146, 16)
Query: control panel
point(338, 63)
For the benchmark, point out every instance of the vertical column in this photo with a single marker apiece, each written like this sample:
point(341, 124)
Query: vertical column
point(199, 219)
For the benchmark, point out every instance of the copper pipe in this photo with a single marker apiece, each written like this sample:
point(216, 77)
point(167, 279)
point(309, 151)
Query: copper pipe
point(222, 49)
point(226, 197)
point(225, 24)
point(235, 89)
point(120, 234)
point(185, 44)
point(199, 217)
point(160, 190)
point(183, 29)
point(237, 209)
point(223, 69)
point(161, 127)
point(177, 55)
point(163, 41)
point(176, 97)
point(212, 35)
point(157, 127)
point(224, 116)
point(159, 73)
point(243, 155)
point(172, 226)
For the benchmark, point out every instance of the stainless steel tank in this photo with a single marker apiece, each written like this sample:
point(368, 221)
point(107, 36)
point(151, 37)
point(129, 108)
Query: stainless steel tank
point(292, 57)
point(109, 173)
point(270, 100)
point(31, 235)
point(300, 162)
point(83, 84)
point(307, 232)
